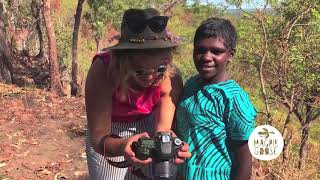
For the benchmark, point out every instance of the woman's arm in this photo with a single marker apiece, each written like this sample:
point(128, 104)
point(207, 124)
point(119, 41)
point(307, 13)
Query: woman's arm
point(98, 101)
point(171, 88)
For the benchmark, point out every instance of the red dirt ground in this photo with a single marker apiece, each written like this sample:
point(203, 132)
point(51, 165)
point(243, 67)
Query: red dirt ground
point(41, 135)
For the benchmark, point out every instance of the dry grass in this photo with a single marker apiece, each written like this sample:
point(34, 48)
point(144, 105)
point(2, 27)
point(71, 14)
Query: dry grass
point(279, 170)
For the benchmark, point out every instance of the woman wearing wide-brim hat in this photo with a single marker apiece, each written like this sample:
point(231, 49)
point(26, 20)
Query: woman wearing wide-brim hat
point(131, 92)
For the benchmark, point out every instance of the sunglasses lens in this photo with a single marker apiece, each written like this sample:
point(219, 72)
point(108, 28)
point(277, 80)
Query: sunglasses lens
point(162, 69)
point(158, 23)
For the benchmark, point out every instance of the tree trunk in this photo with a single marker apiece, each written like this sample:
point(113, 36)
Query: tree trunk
point(74, 71)
point(286, 147)
point(12, 36)
point(261, 69)
point(287, 137)
point(36, 12)
point(5, 53)
point(303, 145)
point(97, 45)
point(55, 83)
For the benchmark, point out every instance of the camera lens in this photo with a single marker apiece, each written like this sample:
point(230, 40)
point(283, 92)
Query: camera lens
point(164, 170)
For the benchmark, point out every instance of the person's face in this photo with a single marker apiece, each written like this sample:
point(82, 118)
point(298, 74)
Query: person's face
point(147, 70)
point(211, 57)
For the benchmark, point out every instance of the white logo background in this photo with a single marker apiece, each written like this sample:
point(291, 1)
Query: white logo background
point(265, 143)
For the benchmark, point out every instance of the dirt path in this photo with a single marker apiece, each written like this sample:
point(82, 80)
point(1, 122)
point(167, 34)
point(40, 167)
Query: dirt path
point(41, 135)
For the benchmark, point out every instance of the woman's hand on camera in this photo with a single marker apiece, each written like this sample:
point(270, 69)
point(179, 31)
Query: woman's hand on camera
point(183, 154)
point(130, 155)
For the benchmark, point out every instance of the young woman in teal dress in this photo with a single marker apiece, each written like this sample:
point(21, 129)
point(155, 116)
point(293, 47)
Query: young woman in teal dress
point(214, 114)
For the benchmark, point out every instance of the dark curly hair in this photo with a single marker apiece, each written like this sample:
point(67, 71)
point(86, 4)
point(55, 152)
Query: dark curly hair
point(217, 28)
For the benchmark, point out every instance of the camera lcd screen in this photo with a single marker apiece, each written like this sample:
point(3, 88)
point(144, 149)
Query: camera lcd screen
point(149, 142)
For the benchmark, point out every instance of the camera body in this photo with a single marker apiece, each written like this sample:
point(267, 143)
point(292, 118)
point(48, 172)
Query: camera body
point(163, 149)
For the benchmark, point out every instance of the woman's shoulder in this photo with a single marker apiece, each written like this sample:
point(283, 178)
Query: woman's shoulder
point(97, 73)
point(105, 56)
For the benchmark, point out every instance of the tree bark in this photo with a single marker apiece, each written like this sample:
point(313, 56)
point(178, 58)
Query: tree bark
point(97, 45)
point(55, 83)
point(287, 138)
point(303, 146)
point(12, 36)
point(36, 12)
point(5, 53)
point(75, 87)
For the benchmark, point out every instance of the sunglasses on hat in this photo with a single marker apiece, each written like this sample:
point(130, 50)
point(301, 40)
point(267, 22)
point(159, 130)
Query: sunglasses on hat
point(137, 23)
point(155, 71)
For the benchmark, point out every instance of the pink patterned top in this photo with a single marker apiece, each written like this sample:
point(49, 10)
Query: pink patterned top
point(141, 103)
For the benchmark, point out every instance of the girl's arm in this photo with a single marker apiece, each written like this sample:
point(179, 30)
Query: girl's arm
point(243, 160)
point(171, 88)
point(239, 127)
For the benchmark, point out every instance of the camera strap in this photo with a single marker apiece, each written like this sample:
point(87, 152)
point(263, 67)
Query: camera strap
point(124, 164)
point(121, 164)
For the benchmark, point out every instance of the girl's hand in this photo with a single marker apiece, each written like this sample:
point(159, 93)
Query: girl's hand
point(129, 154)
point(183, 154)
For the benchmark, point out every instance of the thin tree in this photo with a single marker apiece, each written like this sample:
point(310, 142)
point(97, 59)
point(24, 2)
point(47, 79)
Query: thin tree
point(55, 83)
point(36, 13)
point(5, 53)
point(74, 71)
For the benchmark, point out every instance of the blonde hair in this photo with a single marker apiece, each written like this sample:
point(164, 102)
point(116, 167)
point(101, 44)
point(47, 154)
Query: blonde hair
point(119, 67)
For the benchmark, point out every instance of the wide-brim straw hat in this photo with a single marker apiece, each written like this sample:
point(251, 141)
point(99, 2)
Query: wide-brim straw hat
point(143, 29)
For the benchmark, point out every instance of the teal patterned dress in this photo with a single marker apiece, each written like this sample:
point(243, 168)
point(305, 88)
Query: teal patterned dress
point(208, 118)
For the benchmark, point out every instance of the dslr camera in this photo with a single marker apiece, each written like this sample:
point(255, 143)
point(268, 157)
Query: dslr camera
point(163, 149)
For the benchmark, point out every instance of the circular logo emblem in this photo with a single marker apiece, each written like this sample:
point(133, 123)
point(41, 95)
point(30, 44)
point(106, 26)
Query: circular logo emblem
point(265, 143)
